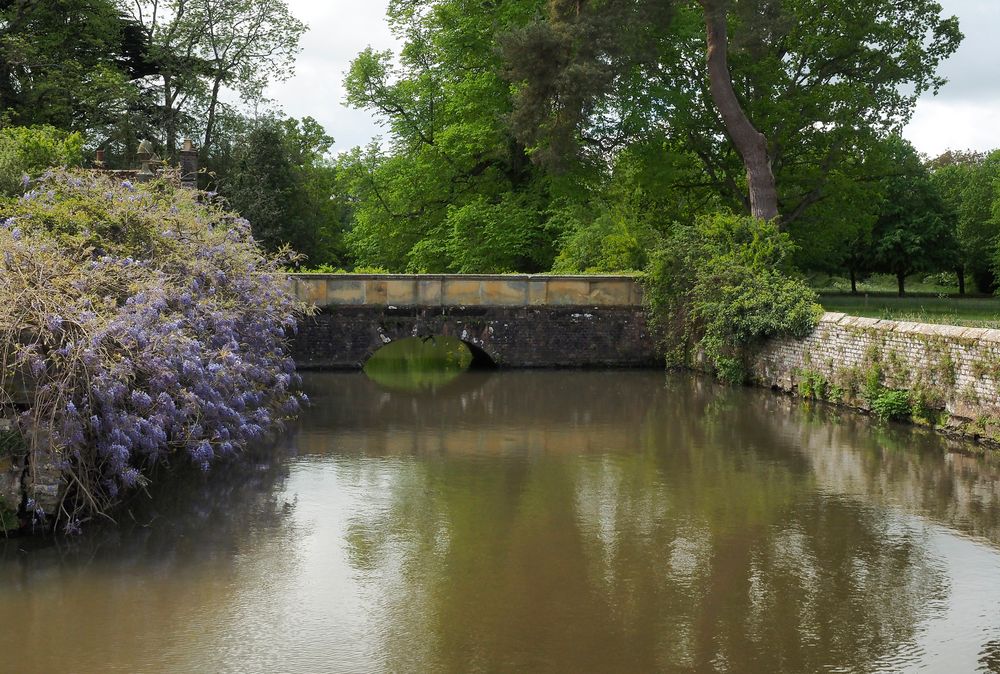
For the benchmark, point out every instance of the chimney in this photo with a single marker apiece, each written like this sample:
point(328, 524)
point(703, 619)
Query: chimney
point(189, 165)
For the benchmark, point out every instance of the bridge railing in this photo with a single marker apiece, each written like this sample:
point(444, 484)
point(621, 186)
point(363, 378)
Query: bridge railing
point(433, 290)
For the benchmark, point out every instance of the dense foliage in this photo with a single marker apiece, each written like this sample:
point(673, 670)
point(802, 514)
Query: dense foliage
point(717, 289)
point(914, 230)
point(281, 181)
point(454, 190)
point(536, 119)
point(27, 152)
point(969, 183)
point(149, 325)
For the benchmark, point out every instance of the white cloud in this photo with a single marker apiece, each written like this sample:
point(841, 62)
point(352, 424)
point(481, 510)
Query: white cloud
point(338, 31)
point(965, 115)
point(940, 125)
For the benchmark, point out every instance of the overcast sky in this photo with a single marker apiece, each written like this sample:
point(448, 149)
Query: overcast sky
point(965, 115)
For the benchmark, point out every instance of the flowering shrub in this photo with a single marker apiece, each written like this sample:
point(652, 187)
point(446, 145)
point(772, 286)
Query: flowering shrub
point(150, 327)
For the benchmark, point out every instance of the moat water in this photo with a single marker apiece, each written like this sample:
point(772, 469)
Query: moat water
point(536, 522)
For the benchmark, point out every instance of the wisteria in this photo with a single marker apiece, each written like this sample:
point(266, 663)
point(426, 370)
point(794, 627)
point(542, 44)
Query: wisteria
point(149, 328)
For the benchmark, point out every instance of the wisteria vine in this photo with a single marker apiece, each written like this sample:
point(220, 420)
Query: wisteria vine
point(146, 325)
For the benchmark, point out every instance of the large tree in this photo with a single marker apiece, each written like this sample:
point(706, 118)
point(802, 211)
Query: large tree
point(970, 184)
point(450, 188)
point(66, 63)
point(281, 180)
point(758, 89)
point(915, 228)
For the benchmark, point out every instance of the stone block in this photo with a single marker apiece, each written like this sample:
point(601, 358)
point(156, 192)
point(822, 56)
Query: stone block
point(611, 293)
point(952, 332)
point(636, 294)
point(461, 292)
point(401, 292)
point(376, 292)
point(537, 291)
point(429, 292)
point(567, 292)
point(312, 291)
point(341, 292)
point(865, 323)
point(505, 293)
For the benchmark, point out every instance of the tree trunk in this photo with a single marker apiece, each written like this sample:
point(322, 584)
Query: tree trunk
point(749, 142)
point(170, 120)
point(854, 281)
point(960, 272)
point(210, 125)
point(901, 282)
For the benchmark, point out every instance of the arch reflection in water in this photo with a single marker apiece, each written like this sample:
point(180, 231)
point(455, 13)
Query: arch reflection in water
point(423, 363)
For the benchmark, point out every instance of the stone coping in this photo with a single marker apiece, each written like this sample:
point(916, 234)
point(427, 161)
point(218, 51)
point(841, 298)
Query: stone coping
point(957, 332)
point(470, 277)
point(439, 290)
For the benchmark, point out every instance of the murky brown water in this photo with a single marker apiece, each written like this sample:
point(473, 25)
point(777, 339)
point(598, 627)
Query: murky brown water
point(549, 521)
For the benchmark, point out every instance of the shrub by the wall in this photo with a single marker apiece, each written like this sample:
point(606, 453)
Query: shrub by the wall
point(28, 151)
point(723, 286)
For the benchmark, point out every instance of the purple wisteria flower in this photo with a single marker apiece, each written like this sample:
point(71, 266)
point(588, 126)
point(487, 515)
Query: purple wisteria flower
point(162, 345)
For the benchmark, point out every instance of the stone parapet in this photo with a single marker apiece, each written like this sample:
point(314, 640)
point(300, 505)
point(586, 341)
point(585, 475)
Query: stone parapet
point(440, 290)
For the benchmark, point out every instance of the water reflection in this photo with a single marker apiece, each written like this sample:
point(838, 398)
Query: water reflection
point(151, 593)
point(640, 539)
point(555, 521)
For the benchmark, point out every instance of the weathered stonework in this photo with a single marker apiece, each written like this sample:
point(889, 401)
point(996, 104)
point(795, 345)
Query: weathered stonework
point(507, 320)
point(952, 372)
point(446, 290)
point(345, 337)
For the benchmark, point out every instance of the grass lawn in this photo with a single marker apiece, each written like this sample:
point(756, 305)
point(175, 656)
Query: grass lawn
point(977, 312)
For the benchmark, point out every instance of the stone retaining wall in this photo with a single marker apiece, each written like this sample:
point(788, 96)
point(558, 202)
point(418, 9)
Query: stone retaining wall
point(952, 373)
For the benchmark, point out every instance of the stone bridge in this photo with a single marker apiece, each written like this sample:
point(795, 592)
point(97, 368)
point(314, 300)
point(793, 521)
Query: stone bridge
point(506, 320)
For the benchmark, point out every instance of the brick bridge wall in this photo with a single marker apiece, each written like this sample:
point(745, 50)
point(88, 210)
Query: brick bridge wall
point(510, 321)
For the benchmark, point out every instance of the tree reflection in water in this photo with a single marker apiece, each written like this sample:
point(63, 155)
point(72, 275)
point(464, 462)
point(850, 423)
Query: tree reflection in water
point(614, 522)
point(553, 521)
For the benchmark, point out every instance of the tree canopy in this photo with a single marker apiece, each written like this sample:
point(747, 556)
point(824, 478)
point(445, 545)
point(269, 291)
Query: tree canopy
point(518, 117)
